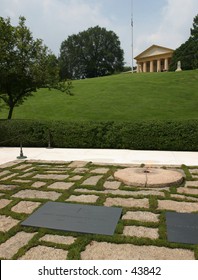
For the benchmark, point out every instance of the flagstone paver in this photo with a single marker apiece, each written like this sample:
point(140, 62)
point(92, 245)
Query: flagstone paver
point(152, 189)
point(77, 164)
point(22, 181)
point(100, 170)
point(80, 170)
point(29, 169)
point(4, 203)
point(51, 176)
point(55, 171)
point(38, 184)
point(22, 166)
point(3, 173)
point(144, 232)
point(183, 197)
point(7, 187)
point(141, 216)
point(9, 164)
point(89, 191)
point(127, 202)
point(91, 181)
point(37, 194)
point(66, 240)
point(44, 253)
point(75, 178)
point(83, 198)
point(121, 192)
point(136, 193)
point(187, 191)
point(26, 207)
point(181, 207)
point(191, 184)
point(27, 175)
point(108, 251)
point(193, 171)
point(9, 177)
point(6, 223)
point(9, 248)
point(112, 185)
point(60, 186)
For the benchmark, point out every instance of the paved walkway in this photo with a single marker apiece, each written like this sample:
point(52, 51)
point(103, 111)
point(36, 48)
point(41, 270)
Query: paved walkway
point(103, 156)
point(141, 231)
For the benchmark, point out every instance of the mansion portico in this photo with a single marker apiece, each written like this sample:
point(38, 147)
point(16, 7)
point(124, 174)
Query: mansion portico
point(154, 59)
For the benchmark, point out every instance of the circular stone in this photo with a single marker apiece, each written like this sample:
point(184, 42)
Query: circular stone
point(149, 177)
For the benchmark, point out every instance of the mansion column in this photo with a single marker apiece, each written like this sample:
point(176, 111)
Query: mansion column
point(166, 64)
point(151, 66)
point(144, 67)
point(139, 67)
point(158, 65)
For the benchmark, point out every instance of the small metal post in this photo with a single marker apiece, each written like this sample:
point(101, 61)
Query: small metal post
point(49, 141)
point(49, 144)
point(21, 153)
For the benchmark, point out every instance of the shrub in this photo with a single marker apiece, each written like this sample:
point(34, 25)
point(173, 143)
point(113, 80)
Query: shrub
point(30, 133)
point(151, 135)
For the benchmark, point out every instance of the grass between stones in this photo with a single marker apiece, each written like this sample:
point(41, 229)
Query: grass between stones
point(9, 189)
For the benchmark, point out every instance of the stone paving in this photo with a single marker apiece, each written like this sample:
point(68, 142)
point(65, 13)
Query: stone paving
point(141, 230)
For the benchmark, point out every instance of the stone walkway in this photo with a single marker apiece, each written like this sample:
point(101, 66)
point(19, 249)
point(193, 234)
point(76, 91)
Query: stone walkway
point(140, 233)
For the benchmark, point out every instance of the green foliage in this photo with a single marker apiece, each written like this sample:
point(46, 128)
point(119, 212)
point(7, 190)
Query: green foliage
point(194, 36)
point(92, 53)
point(152, 135)
point(187, 53)
point(194, 30)
point(30, 133)
point(127, 68)
point(187, 173)
point(25, 64)
point(65, 86)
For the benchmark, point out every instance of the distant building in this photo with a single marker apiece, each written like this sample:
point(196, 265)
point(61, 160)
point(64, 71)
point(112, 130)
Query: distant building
point(154, 59)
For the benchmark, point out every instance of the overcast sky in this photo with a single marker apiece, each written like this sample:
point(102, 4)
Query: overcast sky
point(161, 22)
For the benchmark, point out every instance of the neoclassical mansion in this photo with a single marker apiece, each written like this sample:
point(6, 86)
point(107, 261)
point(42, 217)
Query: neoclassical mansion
point(154, 59)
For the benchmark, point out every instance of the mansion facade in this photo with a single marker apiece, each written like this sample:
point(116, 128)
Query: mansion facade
point(154, 59)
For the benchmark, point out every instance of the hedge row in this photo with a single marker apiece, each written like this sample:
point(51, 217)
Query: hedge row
point(151, 135)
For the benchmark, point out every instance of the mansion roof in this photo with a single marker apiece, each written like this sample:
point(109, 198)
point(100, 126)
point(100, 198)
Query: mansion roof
point(154, 50)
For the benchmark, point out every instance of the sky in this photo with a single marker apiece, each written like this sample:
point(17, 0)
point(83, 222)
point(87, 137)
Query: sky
point(162, 22)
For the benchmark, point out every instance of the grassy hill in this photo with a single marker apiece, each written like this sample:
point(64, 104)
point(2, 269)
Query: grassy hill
point(123, 97)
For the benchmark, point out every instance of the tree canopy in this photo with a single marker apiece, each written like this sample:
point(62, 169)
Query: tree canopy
point(187, 53)
point(25, 64)
point(91, 53)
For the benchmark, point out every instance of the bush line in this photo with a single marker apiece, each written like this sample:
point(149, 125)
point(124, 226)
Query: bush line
point(145, 135)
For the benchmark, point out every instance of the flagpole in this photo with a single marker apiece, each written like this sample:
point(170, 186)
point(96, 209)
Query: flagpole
point(132, 33)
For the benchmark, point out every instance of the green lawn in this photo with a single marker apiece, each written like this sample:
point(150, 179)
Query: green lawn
point(123, 97)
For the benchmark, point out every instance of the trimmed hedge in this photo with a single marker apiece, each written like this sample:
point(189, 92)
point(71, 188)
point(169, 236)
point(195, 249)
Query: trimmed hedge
point(151, 135)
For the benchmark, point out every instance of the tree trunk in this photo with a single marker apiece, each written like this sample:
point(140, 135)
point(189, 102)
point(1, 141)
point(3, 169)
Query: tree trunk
point(10, 112)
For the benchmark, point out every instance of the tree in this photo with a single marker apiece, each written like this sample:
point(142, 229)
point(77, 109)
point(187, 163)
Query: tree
point(91, 53)
point(187, 53)
point(25, 64)
point(194, 36)
point(194, 30)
